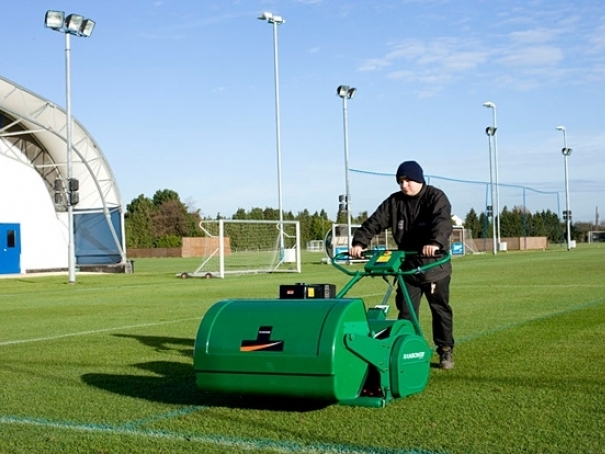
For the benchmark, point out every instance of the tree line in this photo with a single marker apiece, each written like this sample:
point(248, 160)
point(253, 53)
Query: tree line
point(163, 220)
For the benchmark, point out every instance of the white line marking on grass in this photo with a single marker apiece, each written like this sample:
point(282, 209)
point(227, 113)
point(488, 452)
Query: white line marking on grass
point(217, 440)
point(173, 414)
point(96, 331)
point(531, 320)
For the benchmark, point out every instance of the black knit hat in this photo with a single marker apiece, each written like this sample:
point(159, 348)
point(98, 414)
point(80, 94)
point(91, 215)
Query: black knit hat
point(410, 170)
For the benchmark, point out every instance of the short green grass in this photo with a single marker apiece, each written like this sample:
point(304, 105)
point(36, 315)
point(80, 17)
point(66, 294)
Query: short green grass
point(105, 365)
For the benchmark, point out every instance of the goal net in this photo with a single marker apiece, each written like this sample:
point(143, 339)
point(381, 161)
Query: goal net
point(470, 245)
point(249, 246)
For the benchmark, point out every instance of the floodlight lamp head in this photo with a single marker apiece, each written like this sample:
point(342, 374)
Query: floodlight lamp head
point(73, 23)
point(489, 104)
point(490, 130)
point(344, 91)
point(566, 151)
point(54, 20)
point(560, 128)
point(271, 18)
point(87, 27)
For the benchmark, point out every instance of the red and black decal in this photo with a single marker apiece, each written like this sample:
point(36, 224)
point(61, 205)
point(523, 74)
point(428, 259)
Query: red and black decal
point(262, 342)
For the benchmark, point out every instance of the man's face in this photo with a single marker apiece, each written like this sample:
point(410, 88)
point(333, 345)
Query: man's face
point(409, 187)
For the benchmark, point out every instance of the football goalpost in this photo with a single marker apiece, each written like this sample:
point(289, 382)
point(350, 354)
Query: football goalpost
point(249, 246)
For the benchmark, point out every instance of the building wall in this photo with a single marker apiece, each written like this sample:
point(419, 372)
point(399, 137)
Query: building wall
point(203, 247)
point(524, 243)
point(192, 247)
point(24, 200)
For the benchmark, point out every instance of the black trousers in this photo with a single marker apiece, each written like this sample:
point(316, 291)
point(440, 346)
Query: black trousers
point(438, 296)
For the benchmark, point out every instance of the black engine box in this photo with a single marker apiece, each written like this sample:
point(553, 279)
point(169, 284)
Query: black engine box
point(304, 291)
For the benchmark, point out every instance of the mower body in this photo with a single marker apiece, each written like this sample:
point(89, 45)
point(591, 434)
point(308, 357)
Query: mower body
point(311, 344)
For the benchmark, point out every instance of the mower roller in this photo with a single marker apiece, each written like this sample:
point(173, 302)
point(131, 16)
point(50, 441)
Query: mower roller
point(315, 344)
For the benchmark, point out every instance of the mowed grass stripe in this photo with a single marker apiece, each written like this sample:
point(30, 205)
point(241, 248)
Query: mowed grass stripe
point(497, 329)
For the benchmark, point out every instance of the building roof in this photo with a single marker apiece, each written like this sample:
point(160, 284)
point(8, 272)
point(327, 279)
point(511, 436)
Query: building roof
point(34, 129)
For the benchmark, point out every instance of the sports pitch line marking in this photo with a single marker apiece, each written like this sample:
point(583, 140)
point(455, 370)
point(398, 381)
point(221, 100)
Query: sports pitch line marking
point(96, 331)
point(217, 440)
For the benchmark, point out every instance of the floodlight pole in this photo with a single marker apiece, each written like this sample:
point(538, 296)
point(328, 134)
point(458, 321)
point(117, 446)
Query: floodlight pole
point(57, 21)
point(275, 21)
point(71, 250)
point(490, 131)
point(566, 152)
point(346, 92)
point(492, 106)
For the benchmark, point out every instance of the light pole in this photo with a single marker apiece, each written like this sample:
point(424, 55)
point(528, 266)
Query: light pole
point(346, 92)
point(490, 131)
point(491, 105)
point(567, 214)
point(275, 21)
point(76, 25)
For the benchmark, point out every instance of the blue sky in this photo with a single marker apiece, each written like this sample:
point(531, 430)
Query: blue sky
point(179, 94)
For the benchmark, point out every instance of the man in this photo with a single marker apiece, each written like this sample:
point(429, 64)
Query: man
point(419, 216)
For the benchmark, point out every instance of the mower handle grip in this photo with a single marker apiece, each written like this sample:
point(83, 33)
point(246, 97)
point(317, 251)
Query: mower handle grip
point(369, 253)
point(438, 253)
point(441, 255)
point(345, 256)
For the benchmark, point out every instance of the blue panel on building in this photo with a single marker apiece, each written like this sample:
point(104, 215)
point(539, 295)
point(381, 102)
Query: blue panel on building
point(10, 248)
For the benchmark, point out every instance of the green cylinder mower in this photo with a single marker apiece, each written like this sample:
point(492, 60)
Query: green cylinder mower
point(312, 343)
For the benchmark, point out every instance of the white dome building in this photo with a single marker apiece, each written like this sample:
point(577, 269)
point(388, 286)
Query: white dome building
point(34, 233)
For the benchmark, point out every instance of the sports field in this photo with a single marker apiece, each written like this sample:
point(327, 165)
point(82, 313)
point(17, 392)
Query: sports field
point(105, 365)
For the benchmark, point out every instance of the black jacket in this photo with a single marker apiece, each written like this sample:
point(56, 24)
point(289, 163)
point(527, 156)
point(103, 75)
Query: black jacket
point(414, 222)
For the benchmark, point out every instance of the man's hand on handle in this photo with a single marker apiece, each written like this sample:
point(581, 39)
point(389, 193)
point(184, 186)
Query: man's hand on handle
point(356, 252)
point(430, 250)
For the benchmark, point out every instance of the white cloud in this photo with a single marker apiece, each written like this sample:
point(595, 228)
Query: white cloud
point(374, 64)
point(536, 56)
point(597, 40)
point(446, 53)
point(533, 36)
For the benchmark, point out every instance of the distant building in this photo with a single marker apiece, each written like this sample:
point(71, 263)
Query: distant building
point(457, 220)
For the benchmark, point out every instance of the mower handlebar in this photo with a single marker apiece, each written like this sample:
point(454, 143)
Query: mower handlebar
point(441, 256)
point(369, 253)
